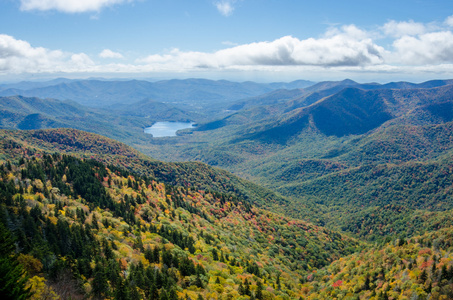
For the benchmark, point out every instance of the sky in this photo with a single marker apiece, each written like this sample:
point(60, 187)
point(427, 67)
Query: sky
point(257, 40)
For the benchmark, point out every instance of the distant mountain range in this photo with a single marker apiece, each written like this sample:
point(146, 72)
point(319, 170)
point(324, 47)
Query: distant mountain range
point(101, 93)
point(288, 99)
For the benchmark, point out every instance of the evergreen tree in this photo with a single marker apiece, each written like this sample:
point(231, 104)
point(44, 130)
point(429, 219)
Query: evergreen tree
point(247, 288)
point(156, 255)
point(100, 285)
point(241, 289)
point(259, 290)
point(12, 279)
point(423, 276)
point(149, 254)
point(154, 293)
point(122, 292)
point(215, 255)
point(198, 281)
point(199, 270)
point(172, 294)
point(163, 295)
point(278, 282)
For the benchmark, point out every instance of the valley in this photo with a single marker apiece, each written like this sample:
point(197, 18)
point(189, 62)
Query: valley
point(301, 190)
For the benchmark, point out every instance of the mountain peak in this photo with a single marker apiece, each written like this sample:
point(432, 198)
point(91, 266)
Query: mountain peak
point(348, 81)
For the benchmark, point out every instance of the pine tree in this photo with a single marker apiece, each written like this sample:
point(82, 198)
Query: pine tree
point(215, 256)
point(149, 254)
point(156, 255)
point(241, 289)
point(163, 295)
point(99, 284)
point(423, 276)
point(198, 281)
point(154, 293)
point(122, 292)
point(172, 295)
point(247, 288)
point(259, 290)
point(12, 279)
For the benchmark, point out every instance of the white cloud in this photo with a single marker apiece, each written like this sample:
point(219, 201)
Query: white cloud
point(449, 21)
point(348, 47)
point(69, 6)
point(81, 60)
point(107, 53)
point(225, 7)
point(428, 48)
point(17, 56)
point(399, 29)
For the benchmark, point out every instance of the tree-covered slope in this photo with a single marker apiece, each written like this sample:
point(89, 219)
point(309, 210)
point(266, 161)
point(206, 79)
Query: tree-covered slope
point(28, 113)
point(417, 268)
point(83, 228)
point(344, 158)
point(88, 145)
point(353, 111)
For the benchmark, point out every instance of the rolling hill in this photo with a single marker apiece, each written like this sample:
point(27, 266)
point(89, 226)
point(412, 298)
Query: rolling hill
point(283, 101)
point(88, 145)
point(347, 154)
point(354, 161)
point(85, 228)
point(28, 113)
point(357, 136)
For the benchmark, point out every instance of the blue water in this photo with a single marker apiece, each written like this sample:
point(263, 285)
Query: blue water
point(165, 129)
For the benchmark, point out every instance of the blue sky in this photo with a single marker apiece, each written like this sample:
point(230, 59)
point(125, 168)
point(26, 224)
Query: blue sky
point(260, 40)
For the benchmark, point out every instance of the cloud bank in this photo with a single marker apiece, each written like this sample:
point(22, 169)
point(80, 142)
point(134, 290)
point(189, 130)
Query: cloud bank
point(342, 49)
point(17, 56)
point(69, 6)
point(414, 47)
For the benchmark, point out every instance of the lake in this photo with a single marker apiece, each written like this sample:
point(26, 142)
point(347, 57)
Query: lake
point(164, 129)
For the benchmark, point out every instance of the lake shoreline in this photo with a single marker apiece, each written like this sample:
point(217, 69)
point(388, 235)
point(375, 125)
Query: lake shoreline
point(167, 128)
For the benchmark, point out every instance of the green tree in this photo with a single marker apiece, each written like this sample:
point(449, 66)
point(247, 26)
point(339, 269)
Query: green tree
point(100, 284)
point(122, 292)
point(12, 275)
point(259, 290)
point(215, 255)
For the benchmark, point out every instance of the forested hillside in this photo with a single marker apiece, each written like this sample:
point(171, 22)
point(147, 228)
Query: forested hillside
point(345, 159)
point(339, 191)
point(82, 228)
point(417, 268)
point(87, 145)
point(28, 113)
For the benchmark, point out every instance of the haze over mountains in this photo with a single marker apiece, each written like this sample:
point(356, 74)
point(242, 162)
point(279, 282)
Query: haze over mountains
point(101, 93)
point(340, 162)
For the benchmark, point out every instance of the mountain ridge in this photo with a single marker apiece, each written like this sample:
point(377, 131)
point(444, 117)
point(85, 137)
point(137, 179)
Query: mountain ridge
point(99, 93)
point(108, 231)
